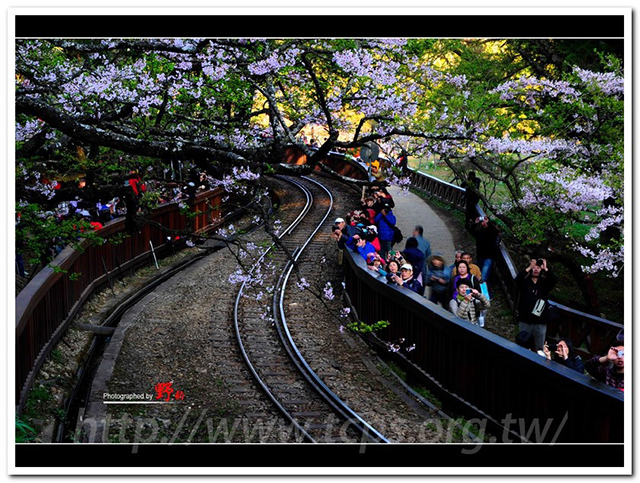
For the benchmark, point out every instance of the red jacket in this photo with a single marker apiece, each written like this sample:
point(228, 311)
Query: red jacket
point(137, 185)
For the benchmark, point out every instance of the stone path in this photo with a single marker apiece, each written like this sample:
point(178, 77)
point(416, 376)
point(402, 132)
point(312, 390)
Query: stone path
point(411, 210)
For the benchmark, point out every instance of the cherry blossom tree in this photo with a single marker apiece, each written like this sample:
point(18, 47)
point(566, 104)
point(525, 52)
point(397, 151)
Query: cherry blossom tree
point(551, 139)
point(554, 145)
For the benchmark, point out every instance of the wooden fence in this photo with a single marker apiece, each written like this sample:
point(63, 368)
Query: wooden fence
point(49, 303)
point(589, 334)
point(516, 393)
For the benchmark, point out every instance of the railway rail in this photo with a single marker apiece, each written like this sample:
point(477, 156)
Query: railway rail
point(273, 356)
point(273, 385)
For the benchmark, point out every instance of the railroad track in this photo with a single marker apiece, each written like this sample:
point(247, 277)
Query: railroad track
point(269, 350)
point(251, 384)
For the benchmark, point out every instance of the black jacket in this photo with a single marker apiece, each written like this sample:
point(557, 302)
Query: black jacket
point(531, 292)
point(487, 241)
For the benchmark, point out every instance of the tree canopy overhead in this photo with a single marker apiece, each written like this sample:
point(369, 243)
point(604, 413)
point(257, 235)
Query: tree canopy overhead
point(524, 114)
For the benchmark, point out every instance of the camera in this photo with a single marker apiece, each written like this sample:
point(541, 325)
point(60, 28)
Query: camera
point(539, 262)
point(553, 347)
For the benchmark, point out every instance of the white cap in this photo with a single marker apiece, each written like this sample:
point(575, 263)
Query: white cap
point(406, 266)
point(339, 220)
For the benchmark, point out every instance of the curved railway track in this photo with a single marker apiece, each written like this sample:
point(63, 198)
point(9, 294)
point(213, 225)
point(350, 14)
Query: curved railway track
point(256, 365)
point(270, 351)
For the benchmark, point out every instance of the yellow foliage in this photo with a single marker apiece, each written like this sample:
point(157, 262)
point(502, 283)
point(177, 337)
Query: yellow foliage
point(526, 126)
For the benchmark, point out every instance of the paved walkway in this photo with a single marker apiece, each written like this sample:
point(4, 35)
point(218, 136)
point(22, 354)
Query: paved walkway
point(411, 210)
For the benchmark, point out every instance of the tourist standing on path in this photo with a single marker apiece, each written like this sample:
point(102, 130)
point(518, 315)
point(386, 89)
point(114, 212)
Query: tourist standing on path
point(473, 268)
point(471, 197)
point(534, 283)
point(463, 276)
point(457, 256)
point(487, 238)
point(423, 245)
point(385, 221)
point(415, 257)
point(438, 281)
point(470, 303)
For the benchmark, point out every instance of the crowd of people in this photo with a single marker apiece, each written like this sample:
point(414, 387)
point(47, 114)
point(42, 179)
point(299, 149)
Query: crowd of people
point(89, 208)
point(371, 230)
point(462, 287)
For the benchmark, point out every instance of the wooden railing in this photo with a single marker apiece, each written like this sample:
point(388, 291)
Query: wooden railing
point(441, 190)
point(48, 304)
point(337, 162)
point(510, 389)
point(589, 334)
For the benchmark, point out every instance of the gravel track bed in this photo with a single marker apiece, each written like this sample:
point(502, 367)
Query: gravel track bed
point(182, 333)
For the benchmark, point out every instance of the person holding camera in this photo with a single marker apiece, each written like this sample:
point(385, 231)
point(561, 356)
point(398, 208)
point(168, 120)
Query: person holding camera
point(564, 355)
point(407, 280)
point(609, 369)
point(470, 303)
point(392, 268)
point(534, 284)
point(488, 238)
point(359, 244)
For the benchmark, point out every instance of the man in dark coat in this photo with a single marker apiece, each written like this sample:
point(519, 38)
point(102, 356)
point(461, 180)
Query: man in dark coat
point(415, 257)
point(487, 238)
point(407, 280)
point(346, 229)
point(534, 284)
point(423, 244)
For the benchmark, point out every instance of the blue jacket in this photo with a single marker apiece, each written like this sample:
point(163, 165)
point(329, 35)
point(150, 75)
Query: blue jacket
point(438, 273)
point(364, 251)
point(385, 232)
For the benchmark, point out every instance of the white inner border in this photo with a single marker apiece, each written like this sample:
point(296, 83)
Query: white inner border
point(288, 7)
